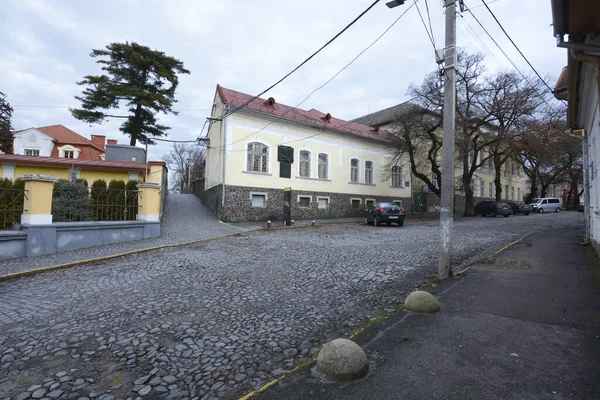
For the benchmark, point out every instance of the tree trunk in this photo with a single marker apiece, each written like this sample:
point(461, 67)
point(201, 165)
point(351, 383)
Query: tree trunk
point(469, 201)
point(497, 176)
point(533, 190)
point(136, 126)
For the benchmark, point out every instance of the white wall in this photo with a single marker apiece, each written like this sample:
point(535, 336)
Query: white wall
point(213, 174)
point(35, 140)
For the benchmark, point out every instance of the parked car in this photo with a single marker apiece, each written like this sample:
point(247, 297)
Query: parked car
point(520, 208)
point(388, 213)
point(581, 206)
point(492, 209)
point(546, 204)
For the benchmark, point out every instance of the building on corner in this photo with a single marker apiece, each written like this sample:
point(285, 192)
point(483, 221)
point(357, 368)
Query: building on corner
point(335, 168)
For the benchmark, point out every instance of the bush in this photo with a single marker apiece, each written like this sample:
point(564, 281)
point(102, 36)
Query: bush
point(131, 200)
point(98, 200)
point(11, 202)
point(70, 202)
point(116, 206)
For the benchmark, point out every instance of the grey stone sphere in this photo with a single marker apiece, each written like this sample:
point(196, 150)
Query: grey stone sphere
point(342, 360)
point(421, 302)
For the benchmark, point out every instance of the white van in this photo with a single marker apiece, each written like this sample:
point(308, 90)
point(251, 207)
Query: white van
point(546, 204)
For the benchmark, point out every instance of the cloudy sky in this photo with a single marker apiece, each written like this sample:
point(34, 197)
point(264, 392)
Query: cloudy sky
point(246, 46)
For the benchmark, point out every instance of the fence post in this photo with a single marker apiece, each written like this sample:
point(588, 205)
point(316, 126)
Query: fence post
point(149, 202)
point(37, 203)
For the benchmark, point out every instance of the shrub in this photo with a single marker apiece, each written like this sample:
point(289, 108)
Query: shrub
point(98, 199)
point(70, 202)
point(116, 207)
point(131, 200)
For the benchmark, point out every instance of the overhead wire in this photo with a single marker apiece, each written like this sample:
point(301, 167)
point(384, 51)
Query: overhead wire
point(516, 47)
point(302, 63)
point(317, 89)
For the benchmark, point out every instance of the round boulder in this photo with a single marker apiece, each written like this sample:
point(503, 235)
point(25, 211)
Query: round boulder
point(342, 360)
point(421, 302)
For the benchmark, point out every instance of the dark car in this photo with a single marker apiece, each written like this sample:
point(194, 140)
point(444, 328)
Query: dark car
point(388, 213)
point(520, 208)
point(493, 209)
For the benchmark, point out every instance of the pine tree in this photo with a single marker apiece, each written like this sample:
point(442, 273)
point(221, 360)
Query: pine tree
point(142, 79)
point(6, 137)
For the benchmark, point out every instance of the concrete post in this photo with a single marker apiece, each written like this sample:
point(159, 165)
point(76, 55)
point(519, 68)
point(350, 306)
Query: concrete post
point(37, 204)
point(149, 202)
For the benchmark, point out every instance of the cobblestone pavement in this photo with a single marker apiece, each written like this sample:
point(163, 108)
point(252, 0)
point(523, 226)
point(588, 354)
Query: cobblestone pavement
point(185, 219)
point(219, 318)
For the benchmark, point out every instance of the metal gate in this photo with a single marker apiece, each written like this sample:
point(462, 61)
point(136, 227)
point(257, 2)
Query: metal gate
point(420, 201)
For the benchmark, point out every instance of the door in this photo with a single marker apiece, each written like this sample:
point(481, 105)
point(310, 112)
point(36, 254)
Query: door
point(420, 201)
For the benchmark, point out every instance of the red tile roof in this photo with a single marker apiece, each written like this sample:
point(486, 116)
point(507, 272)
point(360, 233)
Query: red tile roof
point(63, 135)
point(312, 117)
point(77, 162)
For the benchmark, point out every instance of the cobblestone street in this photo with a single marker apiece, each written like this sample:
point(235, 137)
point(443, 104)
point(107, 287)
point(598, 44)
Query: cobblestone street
point(219, 318)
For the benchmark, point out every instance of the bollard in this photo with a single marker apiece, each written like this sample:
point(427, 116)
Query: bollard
point(313, 223)
point(292, 223)
point(269, 224)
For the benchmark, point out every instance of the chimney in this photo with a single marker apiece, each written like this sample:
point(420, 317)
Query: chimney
point(326, 118)
point(98, 140)
point(111, 141)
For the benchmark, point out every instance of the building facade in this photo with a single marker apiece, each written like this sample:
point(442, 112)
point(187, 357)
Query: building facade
point(513, 180)
point(334, 168)
point(579, 85)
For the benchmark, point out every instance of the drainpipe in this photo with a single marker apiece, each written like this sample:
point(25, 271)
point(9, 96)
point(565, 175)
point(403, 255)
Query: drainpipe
point(224, 145)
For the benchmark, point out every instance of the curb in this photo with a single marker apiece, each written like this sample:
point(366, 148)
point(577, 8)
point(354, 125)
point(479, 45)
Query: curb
point(464, 270)
point(35, 271)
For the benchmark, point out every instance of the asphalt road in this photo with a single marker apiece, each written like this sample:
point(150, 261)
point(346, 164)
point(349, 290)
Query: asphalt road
point(219, 318)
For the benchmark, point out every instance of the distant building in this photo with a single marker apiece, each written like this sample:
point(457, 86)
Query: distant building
point(57, 141)
point(334, 168)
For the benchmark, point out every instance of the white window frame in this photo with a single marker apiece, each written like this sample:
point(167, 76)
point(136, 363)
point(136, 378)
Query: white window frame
point(359, 202)
point(372, 172)
point(268, 163)
point(33, 151)
point(300, 163)
point(401, 174)
point(303, 196)
point(367, 200)
point(518, 194)
point(266, 195)
point(68, 147)
point(397, 201)
point(326, 165)
point(481, 188)
point(491, 189)
point(357, 170)
point(319, 198)
point(512, 193)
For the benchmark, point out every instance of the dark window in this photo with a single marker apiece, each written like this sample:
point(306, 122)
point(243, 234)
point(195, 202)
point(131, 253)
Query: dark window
point(304, 202)
point(356, 204)
point(553, 201)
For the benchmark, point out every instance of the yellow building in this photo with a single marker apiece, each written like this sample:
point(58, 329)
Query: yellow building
point(513, 180)
point(334, 168)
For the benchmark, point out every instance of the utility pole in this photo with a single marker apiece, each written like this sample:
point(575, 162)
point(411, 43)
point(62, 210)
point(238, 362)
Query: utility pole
point(447, 189)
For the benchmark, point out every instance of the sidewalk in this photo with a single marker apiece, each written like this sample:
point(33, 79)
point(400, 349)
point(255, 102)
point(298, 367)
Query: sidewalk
point(524, 327)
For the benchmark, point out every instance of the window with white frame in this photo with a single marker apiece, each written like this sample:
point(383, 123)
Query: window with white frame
point(397, 202)
point(304, 201)
point(355, 203)
point(305, 163)
point(396, 175)
point(512, 192)
point(434, 180)
point(258, 200)
point(32, 152)
point(370, 202)
point(518, 194)
point(258, 157)
point(323, 202)
point(506, 192)
point(491, 189)
point(323, 166)
point(481, 188)
point(354, 170)
point(69, 154)
point(369, 172)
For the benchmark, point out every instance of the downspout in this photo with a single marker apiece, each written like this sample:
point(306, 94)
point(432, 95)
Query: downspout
point(224, 145)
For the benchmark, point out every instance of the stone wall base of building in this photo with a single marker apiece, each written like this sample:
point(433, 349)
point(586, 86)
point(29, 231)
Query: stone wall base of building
point(238, 204)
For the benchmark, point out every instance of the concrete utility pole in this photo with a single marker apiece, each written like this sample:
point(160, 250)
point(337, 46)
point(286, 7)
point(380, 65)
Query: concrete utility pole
point(447, 189)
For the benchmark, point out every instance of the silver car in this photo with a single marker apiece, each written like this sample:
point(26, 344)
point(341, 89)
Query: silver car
point(546, 204)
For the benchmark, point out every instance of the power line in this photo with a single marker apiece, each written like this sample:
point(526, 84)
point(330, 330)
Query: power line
point(429, 35)
point(301, 64)
point(317, 89)
point(516, 47)
point(67, 107)
point(185, 141)
point(429, 19)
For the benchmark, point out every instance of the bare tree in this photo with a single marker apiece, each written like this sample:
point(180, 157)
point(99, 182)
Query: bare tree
point(187, 164)
point(416, 133)
point(510, 100)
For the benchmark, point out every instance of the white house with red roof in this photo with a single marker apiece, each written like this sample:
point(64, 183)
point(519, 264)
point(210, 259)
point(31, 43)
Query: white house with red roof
point(334, 168)
point(58, 141)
